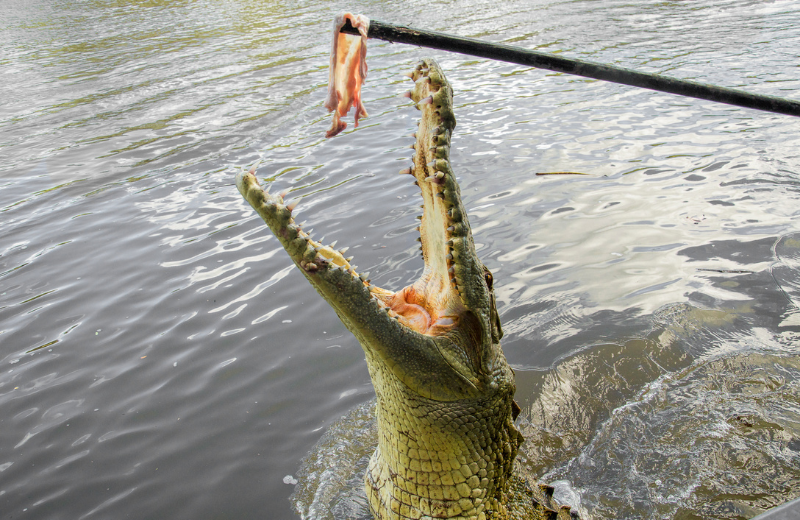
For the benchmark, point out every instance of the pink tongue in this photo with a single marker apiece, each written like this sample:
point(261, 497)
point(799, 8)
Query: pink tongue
point(348, 70)
point(414, 316)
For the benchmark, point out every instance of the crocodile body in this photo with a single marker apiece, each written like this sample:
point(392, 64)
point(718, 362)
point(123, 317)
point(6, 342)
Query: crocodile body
point(445, 409)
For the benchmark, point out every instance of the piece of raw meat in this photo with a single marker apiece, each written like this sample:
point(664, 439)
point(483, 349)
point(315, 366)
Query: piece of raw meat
point(348, 71)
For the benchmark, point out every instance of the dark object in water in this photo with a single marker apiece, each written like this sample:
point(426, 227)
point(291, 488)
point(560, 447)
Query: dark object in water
point(587, 69)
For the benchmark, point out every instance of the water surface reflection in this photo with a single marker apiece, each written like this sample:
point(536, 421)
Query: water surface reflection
point(155, 340)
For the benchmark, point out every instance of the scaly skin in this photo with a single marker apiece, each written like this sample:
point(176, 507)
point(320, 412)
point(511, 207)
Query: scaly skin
point(446, 437)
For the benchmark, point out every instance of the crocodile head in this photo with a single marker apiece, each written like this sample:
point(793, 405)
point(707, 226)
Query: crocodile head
point(444, 389)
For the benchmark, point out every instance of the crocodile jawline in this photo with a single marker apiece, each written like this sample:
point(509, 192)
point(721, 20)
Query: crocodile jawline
point(446, 438)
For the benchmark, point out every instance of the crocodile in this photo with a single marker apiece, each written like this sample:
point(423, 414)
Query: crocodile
point(445, 392)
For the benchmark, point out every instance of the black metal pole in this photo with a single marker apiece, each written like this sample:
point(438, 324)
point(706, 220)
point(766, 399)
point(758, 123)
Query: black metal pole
point(588, 69)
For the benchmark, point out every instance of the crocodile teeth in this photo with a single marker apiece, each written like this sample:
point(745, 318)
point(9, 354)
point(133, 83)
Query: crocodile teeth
point(343, 250)
point(333, 244)
point(292, 204)
point(407, 94)
point(284, 193)
point(349, 259)
point(404, 171)
point(427, 101)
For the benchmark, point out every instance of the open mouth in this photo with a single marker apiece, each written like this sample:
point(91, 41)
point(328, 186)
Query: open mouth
point(453, 296)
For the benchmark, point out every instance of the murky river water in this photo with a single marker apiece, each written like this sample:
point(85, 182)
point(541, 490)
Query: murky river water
point(160, 358)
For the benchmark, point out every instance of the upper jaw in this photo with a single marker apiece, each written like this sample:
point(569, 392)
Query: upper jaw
point(440, 334)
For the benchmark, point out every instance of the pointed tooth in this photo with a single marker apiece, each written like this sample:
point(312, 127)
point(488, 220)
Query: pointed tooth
point(407, 94)
point(254, 167)
point(451, 229)
point(292, 204)
point(414, 135)
point(432, 164)
point(432, 178)
point(409, 75)
point(343, 250)
point(405, 171)
point(427, 101)
point(349, 259)
point(452, 270)
point(333, 244)
point(364, 276)
point(284, 193)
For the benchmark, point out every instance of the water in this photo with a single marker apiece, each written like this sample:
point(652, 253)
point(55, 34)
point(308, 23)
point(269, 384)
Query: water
point(160, 358)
